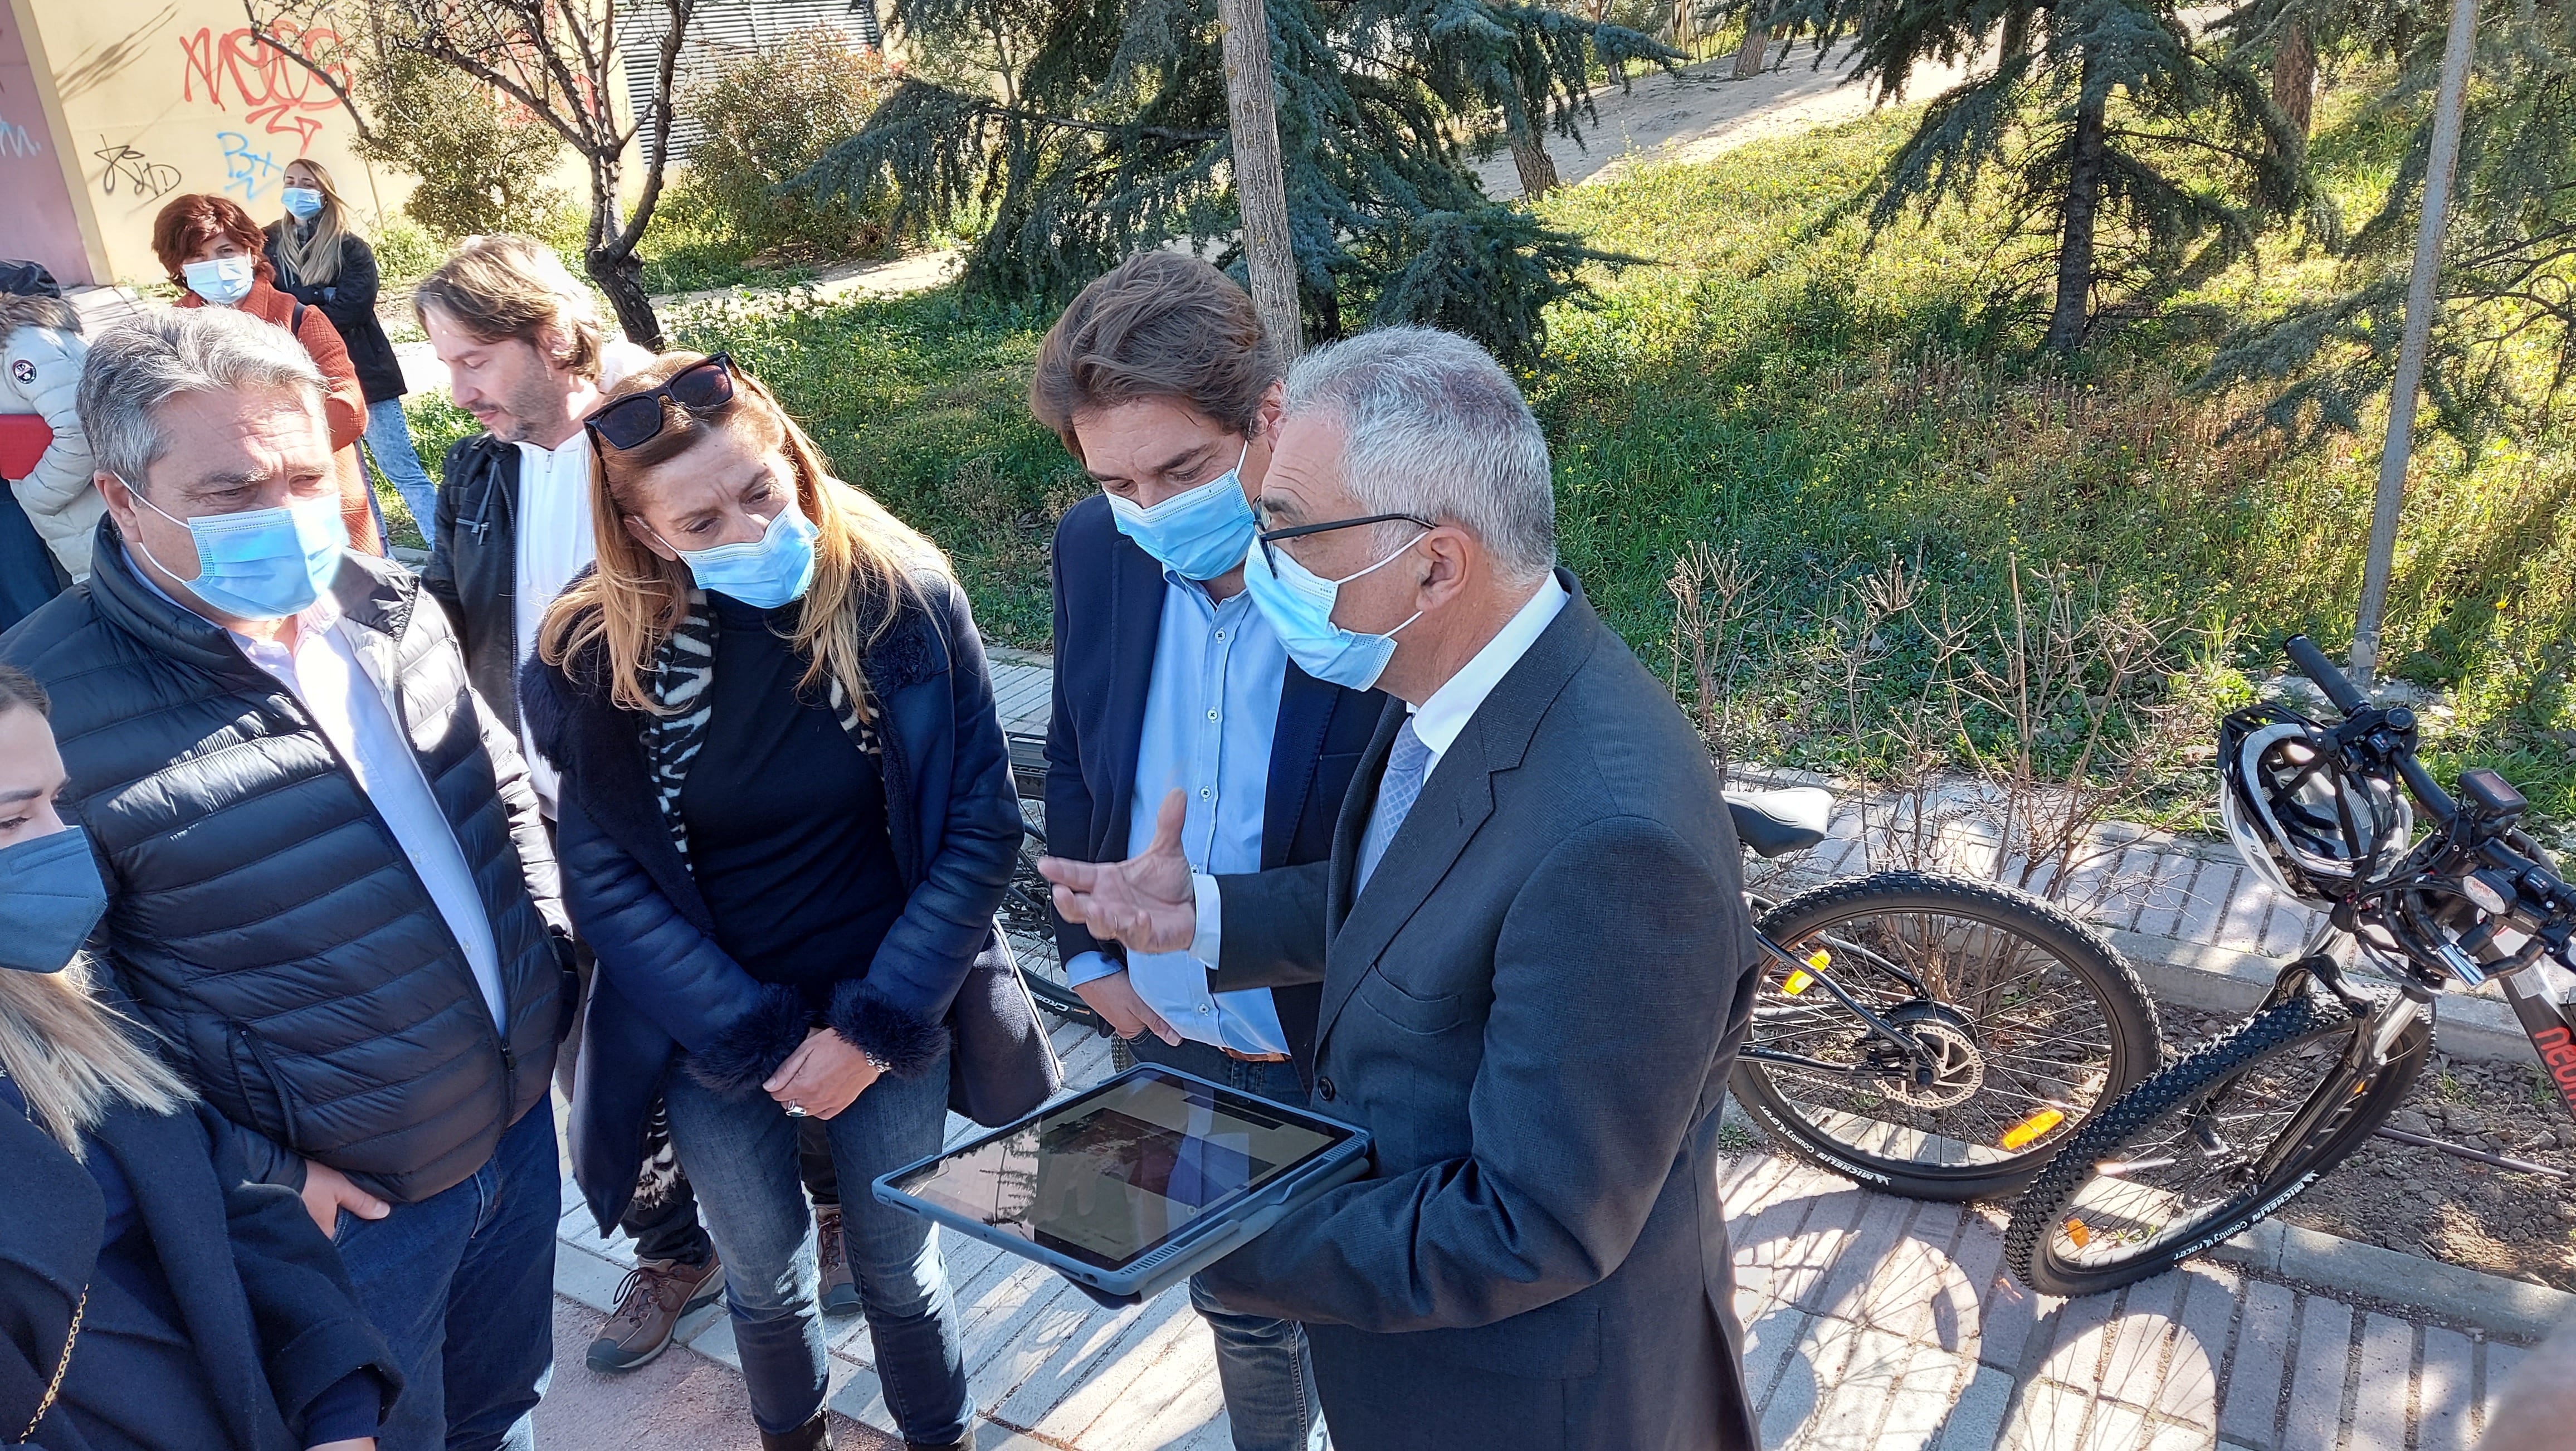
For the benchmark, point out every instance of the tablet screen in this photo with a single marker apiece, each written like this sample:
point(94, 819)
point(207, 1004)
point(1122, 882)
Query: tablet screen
point(1110, 1175)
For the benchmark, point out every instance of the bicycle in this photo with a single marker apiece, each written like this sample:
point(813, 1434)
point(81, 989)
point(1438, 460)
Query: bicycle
point(2231, 1132)
point(1925, 1034)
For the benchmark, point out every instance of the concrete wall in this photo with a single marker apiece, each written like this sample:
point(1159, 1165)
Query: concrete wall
point(140, 100)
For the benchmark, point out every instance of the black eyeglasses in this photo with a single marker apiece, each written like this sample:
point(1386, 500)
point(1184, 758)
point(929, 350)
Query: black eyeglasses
point(633, 420)
point(1270, 537)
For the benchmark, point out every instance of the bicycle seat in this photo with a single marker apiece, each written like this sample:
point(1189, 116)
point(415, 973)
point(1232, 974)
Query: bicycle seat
point(1772, 823)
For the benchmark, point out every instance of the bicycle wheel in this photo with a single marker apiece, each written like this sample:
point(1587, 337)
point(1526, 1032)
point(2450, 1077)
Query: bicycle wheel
point(1024, 923)
point(2031, 1021)
point(2176, 1165)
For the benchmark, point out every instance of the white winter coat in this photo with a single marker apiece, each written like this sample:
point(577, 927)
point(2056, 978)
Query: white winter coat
point(41, 352)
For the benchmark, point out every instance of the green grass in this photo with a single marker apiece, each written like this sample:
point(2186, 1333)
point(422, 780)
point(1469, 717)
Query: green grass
point(1773, 384)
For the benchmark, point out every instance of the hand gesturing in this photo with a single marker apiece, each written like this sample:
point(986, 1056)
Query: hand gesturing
point(1145, 901)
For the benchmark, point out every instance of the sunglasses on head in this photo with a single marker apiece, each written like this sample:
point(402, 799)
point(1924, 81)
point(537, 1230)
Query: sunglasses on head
point(634, 419)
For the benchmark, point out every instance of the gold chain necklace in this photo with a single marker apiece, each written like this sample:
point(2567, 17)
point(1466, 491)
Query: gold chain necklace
point(62, 1368)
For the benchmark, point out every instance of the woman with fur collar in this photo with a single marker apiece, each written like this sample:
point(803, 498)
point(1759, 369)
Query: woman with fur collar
point(785, 822)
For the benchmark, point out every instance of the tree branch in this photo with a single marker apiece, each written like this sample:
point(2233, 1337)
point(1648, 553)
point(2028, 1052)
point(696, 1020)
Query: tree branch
point(260, 32)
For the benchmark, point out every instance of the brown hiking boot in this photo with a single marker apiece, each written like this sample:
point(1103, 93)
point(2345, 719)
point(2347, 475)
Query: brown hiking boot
point(649, 1306)
point(832, 1258)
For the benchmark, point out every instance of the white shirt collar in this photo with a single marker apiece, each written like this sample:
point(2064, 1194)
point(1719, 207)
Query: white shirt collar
point(1439, 719)
point(319, 616)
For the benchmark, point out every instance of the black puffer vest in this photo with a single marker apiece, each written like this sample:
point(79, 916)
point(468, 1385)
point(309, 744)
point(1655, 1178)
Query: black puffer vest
point(263, 916)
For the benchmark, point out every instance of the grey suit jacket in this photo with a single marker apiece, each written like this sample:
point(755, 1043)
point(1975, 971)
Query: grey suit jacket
point(1533, 1008)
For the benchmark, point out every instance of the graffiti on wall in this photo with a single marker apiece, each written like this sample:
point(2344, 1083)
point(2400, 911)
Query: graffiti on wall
point(141, 176)
point(278, 93)
point(17, 140)
point(246, 169)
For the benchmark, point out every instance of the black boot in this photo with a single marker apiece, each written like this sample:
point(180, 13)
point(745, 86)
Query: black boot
point(814, 1435)
point(962, 1443)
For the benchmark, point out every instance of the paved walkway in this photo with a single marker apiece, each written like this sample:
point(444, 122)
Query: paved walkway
point(1702, 111)
point(1873, 1324)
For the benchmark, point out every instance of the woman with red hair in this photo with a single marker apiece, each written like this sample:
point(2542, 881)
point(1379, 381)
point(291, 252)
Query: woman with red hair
point(212, 248)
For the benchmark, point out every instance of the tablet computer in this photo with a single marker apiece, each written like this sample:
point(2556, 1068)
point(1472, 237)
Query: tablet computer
point(1136, 1184)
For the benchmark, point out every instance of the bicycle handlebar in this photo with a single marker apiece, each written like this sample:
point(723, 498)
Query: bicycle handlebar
point(2312, 663)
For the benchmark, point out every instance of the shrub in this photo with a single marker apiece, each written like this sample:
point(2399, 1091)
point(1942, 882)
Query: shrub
point(405, 250)
point(769, 114)
point(478, 169)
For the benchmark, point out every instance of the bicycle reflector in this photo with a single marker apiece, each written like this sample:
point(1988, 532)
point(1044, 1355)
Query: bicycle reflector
point(2022, 1135)
point(2306, 822)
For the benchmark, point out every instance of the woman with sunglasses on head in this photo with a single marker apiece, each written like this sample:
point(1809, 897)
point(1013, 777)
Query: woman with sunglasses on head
point(212, 248)
point(322, 262)
point(785, 820)
point(150, 1298)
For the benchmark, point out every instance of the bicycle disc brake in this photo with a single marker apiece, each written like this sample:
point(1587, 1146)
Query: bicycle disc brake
point(1951, 1069)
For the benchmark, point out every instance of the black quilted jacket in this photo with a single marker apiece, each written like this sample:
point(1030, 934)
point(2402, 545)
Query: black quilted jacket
point(264, 918)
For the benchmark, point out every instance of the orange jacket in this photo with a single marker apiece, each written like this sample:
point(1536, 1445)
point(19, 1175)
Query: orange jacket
point(344, 407)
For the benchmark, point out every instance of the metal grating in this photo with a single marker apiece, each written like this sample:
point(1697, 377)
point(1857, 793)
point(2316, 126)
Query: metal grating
point(721, 27)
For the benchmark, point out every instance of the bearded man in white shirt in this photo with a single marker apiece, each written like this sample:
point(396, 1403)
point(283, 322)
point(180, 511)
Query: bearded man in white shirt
point(528, 355)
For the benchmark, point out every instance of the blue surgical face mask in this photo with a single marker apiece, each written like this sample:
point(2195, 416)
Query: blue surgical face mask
point(1199, 533)
point(303, 202)
point(50, 898)
point(222, 281)
point(261, 564)
point(1299, 607)
point(763, 573)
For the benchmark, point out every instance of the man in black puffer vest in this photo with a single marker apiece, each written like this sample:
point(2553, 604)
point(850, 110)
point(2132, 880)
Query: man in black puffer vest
point(330, 889)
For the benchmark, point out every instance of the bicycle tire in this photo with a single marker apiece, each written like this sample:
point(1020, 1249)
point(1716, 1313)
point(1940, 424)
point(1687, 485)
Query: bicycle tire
point(2128, 1014)
point(2030, 1241)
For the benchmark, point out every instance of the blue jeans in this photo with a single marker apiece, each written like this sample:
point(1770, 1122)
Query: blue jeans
point(388, 439)
point(1263, 1364)
point(463, 1286)
point(740, 1156)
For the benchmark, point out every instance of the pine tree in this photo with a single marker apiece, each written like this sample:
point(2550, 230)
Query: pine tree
point(1075, 132)
point(2140, 156)
point(2504, 340)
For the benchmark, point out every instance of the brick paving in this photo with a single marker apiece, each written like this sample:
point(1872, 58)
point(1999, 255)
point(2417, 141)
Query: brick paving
point(1872, 1324)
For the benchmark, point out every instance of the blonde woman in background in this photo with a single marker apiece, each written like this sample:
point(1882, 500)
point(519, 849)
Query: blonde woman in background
point(322, 262)
point(150, 1298)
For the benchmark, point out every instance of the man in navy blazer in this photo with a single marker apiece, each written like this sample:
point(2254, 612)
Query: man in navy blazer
point(1167, 679)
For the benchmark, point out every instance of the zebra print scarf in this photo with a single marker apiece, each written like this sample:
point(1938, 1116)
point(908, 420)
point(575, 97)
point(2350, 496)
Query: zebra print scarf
point(683, 669)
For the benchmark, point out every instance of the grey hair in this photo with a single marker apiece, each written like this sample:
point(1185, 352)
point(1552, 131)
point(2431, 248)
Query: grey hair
point(1434, 426)
point(169, 352)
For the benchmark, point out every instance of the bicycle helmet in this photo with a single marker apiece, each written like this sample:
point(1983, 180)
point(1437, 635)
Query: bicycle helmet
point(2308, 823)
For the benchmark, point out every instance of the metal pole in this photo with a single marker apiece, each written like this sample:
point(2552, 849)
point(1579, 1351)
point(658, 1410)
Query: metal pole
point(2393, 455)
point(1260, 178)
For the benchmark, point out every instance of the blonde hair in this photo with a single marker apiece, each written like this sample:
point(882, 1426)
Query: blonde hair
point(508, 286)
point(72, 1057)
point(314, 257)
point(863, 556)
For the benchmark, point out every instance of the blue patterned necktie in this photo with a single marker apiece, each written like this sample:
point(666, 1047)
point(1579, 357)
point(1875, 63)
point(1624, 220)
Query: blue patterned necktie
point(1396, 792)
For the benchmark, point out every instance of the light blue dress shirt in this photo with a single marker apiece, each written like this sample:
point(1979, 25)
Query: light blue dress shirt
point(1211, 714)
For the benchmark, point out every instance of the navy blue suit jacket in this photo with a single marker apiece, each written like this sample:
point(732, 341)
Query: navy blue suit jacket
point(1108, 619)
